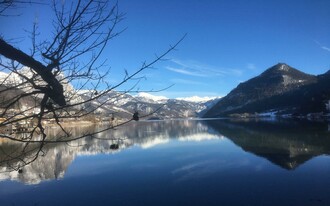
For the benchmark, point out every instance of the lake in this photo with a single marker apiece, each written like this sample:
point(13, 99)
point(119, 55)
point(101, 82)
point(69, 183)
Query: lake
point(175, 162)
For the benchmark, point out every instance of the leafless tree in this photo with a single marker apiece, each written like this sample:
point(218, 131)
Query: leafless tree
point(35, 89)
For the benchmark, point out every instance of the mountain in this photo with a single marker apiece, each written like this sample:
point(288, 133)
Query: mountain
point(153, 107)
point(197, 99)
point(6, 97)
point(280, 89)
point(112, 104)
point(146, 97)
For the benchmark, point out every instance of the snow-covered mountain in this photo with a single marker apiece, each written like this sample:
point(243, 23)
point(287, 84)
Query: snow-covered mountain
point(151, 106)
point(197, 99)
point(18, 80)
point(115, 104)
point(147, 97)
point(144, 96)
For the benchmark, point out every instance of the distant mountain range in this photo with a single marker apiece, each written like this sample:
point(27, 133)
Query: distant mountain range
point(280, 90)
point(116, 104)
point(124, 105)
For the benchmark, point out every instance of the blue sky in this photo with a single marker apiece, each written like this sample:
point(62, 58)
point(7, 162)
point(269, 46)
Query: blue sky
point(227, 42)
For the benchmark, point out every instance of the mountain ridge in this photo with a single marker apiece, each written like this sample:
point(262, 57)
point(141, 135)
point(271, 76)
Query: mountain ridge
point(120, 105)
point(280, 88)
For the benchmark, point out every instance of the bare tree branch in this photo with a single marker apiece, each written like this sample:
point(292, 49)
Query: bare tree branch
point(54, 90)
point(46, 85)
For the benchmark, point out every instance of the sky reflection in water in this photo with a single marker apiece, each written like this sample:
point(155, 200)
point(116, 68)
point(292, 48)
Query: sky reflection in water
point(182, 163)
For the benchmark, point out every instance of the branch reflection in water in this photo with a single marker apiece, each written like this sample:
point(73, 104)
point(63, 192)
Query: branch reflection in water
point(287, 144)
point(174, 162)
point(32, 163)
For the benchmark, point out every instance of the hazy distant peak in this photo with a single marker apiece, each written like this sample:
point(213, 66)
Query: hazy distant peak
point(197, 99)
point(150, 96)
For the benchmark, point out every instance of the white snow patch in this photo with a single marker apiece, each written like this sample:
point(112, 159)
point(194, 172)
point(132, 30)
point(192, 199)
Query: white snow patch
point(196, 99)
point(84, 91)
point(150, 96)
point(3, 75)
point(156, 141)
point(200, 137)
point(284, 67)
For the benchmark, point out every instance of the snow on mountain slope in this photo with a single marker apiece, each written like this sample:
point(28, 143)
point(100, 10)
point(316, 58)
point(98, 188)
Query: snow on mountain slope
point(123, 105)
point(143, 96)
point(197, 99)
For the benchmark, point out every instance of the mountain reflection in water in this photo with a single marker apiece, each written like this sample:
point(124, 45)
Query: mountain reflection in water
point(287, 143)
point(56, 158)
point(177, 162)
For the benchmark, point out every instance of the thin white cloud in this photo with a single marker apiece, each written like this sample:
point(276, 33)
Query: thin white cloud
point(195, 68)
point(251, 66)
point(200, 67)
point(322, 46)
point(236, 72)
point(184, 71)
point(186, 81)
point(325, 48)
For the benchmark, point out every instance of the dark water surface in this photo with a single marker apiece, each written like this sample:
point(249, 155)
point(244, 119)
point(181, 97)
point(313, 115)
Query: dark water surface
point(179, 162)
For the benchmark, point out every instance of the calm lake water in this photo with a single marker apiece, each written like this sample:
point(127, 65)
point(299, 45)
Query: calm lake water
point(178, 162)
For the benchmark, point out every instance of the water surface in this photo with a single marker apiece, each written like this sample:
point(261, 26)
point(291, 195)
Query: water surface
point(178, 162)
